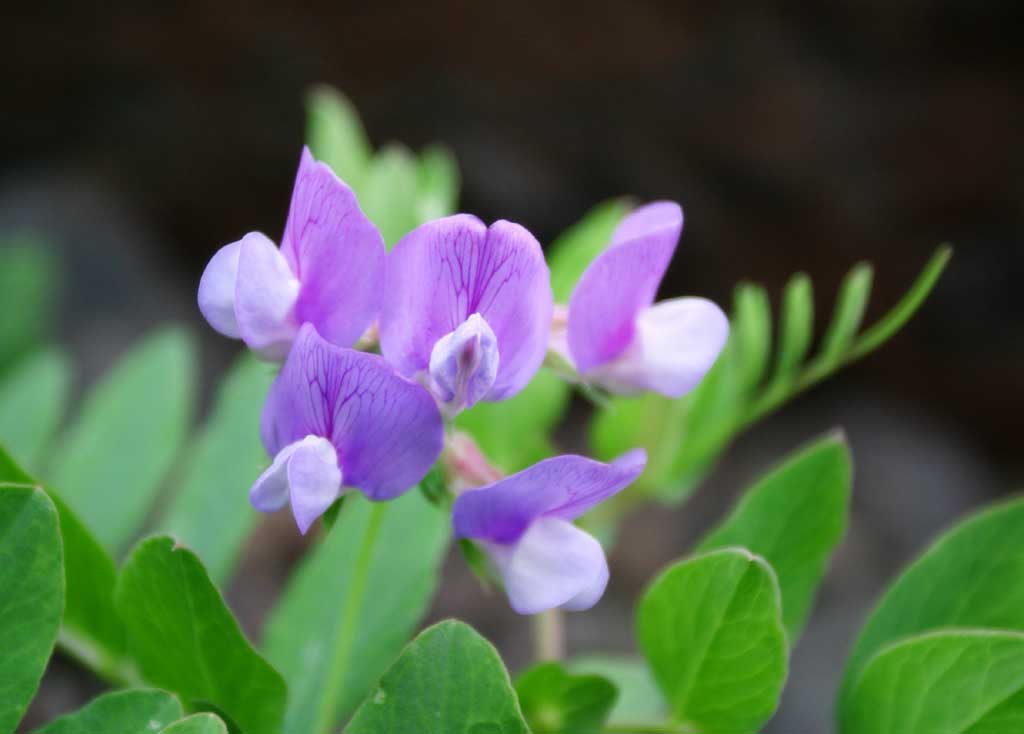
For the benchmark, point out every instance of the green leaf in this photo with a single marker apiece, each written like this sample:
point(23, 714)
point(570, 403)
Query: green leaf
point(946, 682)
point(31, 595)
point(110, 466)
point(335, 134)
point(137, 711)
point(796, 328)
point(556, 702)
point(638, 699)
point(355, 600)
point(389, 192)
point(27, 278)
point(751, 331)
point(850, 306)
point(574, 249)
point(794, 517)
point(711, 630)
point(185, 639)
point(438, 182)
point(972, 576)
point(197, 724)
point(211, 512)
point(449, 679)
point(33, 399)
point(516, 433)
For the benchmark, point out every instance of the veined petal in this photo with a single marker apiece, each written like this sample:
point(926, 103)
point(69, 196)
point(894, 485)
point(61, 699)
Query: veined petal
point(676, 343)
point(554, 564)
point(265, 294)
point(446, 270)
point(307, 473)
point(217, 290)
point(621, 282)
point(563, 487)
point(463, 365)
point(336, 253)
point(386, 429)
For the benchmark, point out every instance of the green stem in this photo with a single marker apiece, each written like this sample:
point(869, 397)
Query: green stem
point(549, 635)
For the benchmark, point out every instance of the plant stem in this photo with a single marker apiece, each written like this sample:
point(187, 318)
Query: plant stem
point(549, 635)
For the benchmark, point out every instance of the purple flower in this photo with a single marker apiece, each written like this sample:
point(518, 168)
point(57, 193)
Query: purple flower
point(328, 271)
point(524, 522)
point(468, 309)
point(617, 337)
point(337, 418)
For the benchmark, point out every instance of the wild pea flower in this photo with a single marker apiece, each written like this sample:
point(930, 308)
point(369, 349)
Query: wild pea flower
point(524, 522)
point(337, 418)
point(328, 271)
point(617, 337)
point(468, 309)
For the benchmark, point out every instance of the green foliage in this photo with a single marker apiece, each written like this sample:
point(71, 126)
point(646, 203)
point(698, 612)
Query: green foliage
point(973, 576)
point(794, 517)
point(574, 249)
point(353, 603)
point(33, 398)
point(711, 630)
point(113, 459)
point(184, 638)
point(638, 696)
point(389, 192)
point(555, 701)
point(31, 595)
point(438, 181)
point(197, 724)
point(946, 682)
point(210, 511)
point(335, 134)
point(449, 679)
point(134, 711)
point(27, 274)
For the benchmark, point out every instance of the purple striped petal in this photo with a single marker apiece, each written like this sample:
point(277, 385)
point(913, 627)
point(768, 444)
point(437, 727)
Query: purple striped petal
point(387, 430)
point(564, 487)
point(444, 271)
point(621, 282)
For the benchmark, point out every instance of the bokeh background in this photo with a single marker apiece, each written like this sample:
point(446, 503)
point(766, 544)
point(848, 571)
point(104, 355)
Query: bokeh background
point(137, 138)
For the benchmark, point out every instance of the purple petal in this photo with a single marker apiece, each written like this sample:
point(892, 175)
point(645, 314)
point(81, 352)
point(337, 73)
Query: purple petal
point(444, 271)
point(677, 342)
point(387, 430)
point(620, 283)
point(463, 365)
point(563, 487)
point(217, 290)
point(554, 564)
point(335, 252)
point(265, 293)
point(314, 480)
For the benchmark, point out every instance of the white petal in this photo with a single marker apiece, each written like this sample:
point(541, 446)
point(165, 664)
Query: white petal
point(464, 365)
point(307, 473)
point(217, 290)
point(265, 294)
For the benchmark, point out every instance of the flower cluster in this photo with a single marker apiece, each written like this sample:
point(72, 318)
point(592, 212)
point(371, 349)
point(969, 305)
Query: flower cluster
point(462, 312)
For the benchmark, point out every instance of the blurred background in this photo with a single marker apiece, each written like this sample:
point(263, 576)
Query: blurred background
point(137, 139)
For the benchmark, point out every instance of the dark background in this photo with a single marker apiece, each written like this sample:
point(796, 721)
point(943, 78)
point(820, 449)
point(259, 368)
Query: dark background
point(139, 137)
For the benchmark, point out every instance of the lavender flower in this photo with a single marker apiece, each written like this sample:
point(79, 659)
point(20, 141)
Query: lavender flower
point(616, 338)
point(468, 309)
point(524, 522)
point(328, 271)
point(337, 418)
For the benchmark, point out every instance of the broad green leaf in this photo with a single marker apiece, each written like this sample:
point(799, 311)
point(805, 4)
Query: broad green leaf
point(796, 328)
point(210, 512)
point(33, 398)
point(438, 179)
point(135, 711)
point(972, 576)
point(849, 312)
point(352, 604)
point(945, 682)
point(794, 517)
point(711, 630)
point(574, 249)
point(555, 701)
point(389, 192)
point(638, 698)
point(516, 433)
point(185, 639)
point(27, 279)
point(197, 724)
point(335, 134)
point(31, 595)
point(449, 679)
point(110, 466)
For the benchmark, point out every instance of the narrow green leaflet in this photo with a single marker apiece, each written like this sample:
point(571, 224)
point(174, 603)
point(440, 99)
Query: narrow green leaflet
point(574, 249)
point(555, 701)
point(110, 466)
point(794, 517)
point(438, 183)
point(135, 711)
point(972, 576)
point(389, 192)
point(850, 306)
point(638, 700)
point(33, 398)
point(796, 327)
point(185, 639)
point(31, 595)
point(711, 630)
point(352, 604)
point(449, 679)
point(946, 682)
point(752, 333)
point(335, 134)
point(197, 724)
point(27, 274)
point(210, 512)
